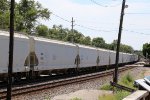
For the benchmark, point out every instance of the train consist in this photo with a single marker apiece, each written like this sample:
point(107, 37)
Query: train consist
point(34, 56)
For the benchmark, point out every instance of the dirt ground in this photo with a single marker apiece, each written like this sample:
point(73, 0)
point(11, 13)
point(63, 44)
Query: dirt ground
point(147, 71)
point(83, 95)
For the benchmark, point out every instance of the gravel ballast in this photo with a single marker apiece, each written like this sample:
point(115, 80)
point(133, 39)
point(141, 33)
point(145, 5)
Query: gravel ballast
point(89, 84)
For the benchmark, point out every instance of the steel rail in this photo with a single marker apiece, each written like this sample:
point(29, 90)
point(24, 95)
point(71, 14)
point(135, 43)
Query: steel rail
point(61, 82)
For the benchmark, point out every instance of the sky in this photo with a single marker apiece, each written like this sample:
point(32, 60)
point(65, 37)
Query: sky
point(103, 16)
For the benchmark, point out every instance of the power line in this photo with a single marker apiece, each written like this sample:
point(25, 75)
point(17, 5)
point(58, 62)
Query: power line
point(141, 29)
point(96, 22)
point(138, 13)
point(105, 5)
point(61, 18)
point(94, 29)
point(101, 23)
point(82, 25)
point(136, 32)
point(98, 3)
point(76, 20)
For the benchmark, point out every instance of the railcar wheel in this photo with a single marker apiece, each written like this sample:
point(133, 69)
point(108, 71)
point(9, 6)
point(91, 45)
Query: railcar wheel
point(36, 74)
point(17, 77)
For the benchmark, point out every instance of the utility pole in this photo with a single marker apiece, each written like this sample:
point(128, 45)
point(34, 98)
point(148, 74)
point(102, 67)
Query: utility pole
point(11, 45)
point(115, 79)
point(72, 25)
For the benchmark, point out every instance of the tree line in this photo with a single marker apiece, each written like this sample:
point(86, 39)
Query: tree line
point(64, 34)
point(27, 16)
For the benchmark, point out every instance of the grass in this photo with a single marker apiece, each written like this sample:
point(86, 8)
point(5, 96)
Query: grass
point(106, 87)
point(75, 98)
point(106, 97)
point(126, 80)
point(47, 98)
point(118, 96)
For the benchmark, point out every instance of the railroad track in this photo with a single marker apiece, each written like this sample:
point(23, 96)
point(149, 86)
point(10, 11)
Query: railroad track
point(55, 83)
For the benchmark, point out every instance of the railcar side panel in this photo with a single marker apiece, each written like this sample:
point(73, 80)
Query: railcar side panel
point(4, 44)
point(120, 58)
point(53, 55)
point(104, 57)
point(128, 58)
point(88, 56)
point(123, 57)
point(21, 51)
point(112, 57)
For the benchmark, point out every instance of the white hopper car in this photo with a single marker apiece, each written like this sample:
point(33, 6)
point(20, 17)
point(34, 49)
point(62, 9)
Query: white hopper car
point(36, 55)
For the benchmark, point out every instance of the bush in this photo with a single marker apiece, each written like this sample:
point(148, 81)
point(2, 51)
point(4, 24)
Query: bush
point(127, 80)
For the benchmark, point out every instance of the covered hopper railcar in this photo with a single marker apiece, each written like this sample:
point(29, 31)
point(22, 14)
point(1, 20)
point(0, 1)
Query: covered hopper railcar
point(34, 56)
point(21, 51)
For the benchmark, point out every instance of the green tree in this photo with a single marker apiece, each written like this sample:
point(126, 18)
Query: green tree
point(4, 14)
point(98, 42)
point(123, 47)
point(114, 45)
point(30, 12)
point(139, 53)
point(86, 40)
point(109, 46)
point(42, 30)
point(57, 32)
point(4, 5)
point(126, 48)
point(146, 50)
point(61, 33)
point(77, 36)
point(67, 34)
